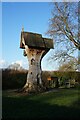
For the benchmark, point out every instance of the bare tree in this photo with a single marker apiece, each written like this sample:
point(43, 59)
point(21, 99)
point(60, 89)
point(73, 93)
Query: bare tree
point(15, 66)
point(69, 66)
point(63, 27)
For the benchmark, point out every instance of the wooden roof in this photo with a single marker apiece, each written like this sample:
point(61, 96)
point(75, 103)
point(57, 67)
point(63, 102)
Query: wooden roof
point(35, 40)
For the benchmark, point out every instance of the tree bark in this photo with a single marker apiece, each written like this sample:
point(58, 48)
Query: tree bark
point(34, 82)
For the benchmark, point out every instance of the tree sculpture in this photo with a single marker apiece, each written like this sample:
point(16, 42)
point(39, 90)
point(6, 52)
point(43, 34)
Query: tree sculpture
point(35, 47)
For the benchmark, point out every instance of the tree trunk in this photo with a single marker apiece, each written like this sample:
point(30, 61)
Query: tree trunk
point(34, 82)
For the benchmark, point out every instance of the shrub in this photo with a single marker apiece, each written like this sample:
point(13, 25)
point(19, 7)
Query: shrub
point(13, 79)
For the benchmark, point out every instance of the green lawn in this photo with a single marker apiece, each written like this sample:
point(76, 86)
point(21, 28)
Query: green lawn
point(59, 103)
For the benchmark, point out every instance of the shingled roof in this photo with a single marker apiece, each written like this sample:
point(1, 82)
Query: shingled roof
point(35, 40)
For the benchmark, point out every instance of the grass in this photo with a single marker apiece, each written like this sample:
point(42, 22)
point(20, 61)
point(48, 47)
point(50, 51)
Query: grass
point(59, 103)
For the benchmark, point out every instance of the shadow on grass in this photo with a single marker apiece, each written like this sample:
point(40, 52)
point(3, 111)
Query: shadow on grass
point(35, 109)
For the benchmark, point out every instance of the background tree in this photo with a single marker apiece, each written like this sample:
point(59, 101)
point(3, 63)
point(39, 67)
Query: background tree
point(63, 27)
point(69, 66)
point(15, 66)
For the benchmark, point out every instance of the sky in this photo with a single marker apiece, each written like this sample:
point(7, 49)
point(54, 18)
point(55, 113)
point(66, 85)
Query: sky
point(34, 17)
point(40, 0)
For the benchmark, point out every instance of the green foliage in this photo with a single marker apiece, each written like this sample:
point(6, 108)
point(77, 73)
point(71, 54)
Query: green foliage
point(62, 76)
point(13, 79)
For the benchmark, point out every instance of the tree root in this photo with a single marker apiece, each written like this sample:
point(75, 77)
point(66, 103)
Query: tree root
point(32, 89)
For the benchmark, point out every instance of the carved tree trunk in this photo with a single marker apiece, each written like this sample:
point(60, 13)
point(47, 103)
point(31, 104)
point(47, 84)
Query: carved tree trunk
point(35, 47)
point(34, 82)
